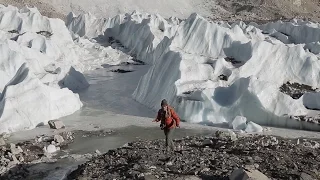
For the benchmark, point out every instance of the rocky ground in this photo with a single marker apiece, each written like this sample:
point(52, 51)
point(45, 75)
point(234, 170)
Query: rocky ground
point(39, 150)
point(265, 10)
point(228, 10)
point(44, 8)
point(17, 159)
point(208, 158)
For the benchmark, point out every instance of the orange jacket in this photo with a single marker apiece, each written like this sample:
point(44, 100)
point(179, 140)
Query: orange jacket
point(169, 120)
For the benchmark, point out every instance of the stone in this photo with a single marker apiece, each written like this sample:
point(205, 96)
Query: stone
point(14, 160)
point(14, 149)
point(51, 149)
point(98, 152)
point(2, 142)
point(40, 139)
point(21, 159)
point(274, 141)
point(239, 123)
point(241, 174)
point(305, 176)
point(252, 166)
point(150, 177)
point(59, 139)
point(206, 142)
point(56, 124)
point(226, 135)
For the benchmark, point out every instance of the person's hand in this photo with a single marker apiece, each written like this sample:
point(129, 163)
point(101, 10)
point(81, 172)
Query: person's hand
point(154, 120)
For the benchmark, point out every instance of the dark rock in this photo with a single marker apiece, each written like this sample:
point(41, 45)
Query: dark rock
point(207, 142)
point(223, 77)
point(232, 60)
point(56, 124)
point(45, 33)
point(121, 71)
point(295, 90)
point(14, 31)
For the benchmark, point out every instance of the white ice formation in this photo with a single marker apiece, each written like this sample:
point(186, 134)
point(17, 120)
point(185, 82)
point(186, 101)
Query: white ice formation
point(214, 72)
point(38, 70)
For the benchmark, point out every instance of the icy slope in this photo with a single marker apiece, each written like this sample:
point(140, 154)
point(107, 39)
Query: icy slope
point(213, 72)
point(37, 64)
point(26, 102)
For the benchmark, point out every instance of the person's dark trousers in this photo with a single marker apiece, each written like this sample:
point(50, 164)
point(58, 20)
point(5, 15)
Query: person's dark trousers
point(169, 138)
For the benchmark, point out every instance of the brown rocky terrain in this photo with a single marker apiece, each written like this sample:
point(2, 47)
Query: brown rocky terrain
point(227, 10)
point(45, 8)
point(266, 10)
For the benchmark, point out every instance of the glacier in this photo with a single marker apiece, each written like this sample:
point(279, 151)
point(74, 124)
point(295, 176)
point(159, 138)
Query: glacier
point(212, 72)
point(39, 70)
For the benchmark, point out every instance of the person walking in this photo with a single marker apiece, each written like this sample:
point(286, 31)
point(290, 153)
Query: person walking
point(169, 120)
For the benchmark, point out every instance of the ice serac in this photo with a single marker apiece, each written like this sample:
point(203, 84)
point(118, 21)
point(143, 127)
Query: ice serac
point(87, 25)
point(254, 69)
point(26, 102)
point(214, 72)
point(253, 127)
point(298, 31)
point(39, 66)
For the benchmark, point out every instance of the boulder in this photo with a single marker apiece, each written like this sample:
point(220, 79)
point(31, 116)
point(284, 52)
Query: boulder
point(58, 139)
point(14, 149)
point(56, 124)
point(305, 176)
point(98, 152)
point(13, 161)
point(51, 149)
point(241, 174)
point(239, 123)
point(2, 142)
point(226, 135)
point(207, 142)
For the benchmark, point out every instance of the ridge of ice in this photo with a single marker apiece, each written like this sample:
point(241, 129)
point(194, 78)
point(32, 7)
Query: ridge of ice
point(38, 66)
point(188, 57)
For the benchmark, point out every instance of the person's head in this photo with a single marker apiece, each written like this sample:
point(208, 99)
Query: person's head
point(164, 104)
